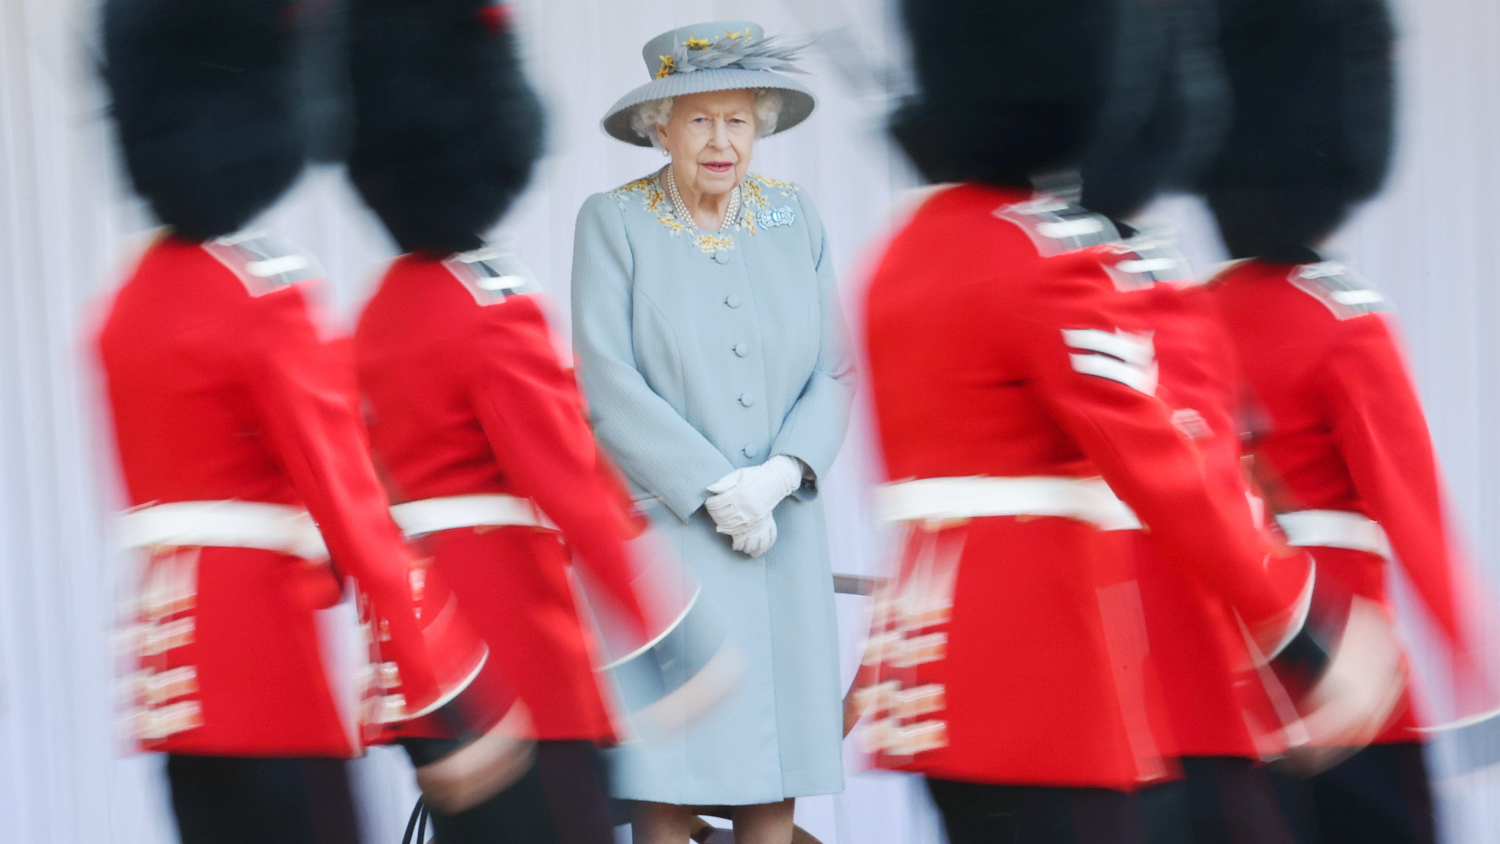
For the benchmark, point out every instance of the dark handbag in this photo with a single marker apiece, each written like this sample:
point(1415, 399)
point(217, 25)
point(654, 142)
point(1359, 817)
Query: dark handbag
point(418, 824)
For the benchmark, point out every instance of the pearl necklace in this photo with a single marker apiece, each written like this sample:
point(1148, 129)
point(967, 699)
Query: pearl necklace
point(732, 212)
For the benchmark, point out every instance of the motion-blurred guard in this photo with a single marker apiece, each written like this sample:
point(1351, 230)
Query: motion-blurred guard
point(1340, 442)
point(245, 459)
point(1010, 374)
point(1221, 710)
point(478, 426)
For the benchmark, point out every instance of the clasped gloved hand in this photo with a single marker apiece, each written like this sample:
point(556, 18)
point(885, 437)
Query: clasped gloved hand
point(755, 539)
point(743, 500)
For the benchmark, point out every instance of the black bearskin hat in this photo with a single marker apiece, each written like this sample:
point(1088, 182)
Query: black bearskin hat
point(1005, 88)
point(1313, 89)
point(1168, 106)
point(446, 128)
point(204, 99)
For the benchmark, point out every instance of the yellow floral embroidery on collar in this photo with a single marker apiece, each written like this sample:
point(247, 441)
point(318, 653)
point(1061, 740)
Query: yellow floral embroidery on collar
point(752, 200)
point(753, 197)
point(786, 188)
point(652, 196)
point(710, 242)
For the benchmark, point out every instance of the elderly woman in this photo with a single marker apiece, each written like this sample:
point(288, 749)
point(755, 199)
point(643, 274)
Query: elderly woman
point(710, 347)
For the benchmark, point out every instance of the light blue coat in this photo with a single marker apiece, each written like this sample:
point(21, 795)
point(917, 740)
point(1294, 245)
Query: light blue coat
point(700, 354)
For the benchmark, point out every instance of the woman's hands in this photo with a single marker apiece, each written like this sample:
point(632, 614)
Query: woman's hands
point(757, 539)
point(743, 500)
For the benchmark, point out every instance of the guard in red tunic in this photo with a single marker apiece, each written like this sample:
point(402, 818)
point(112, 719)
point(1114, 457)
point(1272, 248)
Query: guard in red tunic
point(1014, 388)
point(245, 459)
point(1221, 710)
point(482, 435)
point(476, 422)
point(1340, 443)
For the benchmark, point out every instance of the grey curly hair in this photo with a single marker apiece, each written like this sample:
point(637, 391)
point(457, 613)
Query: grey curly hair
point(653, 113)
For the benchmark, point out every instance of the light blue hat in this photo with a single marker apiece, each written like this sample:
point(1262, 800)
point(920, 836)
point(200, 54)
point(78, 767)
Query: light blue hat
point(714, 56)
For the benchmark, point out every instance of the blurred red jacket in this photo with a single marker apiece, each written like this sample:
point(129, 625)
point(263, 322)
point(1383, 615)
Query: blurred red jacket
point(1340, 442)
point(467, 397)
point(1001, 350)
point(1217, 701)
point(235, 419)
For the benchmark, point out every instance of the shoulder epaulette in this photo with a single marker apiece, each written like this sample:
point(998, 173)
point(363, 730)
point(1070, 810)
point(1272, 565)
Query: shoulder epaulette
point(261, 262)
point(1056, 226)
point(490, 275)
point(1345, 294)
point(1145, 260)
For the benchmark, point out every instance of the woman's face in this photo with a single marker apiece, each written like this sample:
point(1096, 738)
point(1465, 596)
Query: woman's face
point(709, 138)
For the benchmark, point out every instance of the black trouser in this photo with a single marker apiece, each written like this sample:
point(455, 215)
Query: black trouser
point(1219, 800)
point(1379, 795)
point(975, 813)
point(563, 799)
point(237, 800)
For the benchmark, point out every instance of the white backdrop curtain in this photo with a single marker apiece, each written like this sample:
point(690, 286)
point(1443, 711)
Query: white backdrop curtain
point(68, 229)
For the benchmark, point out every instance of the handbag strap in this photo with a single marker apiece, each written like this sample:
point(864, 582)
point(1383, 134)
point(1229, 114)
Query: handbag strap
point(417, 824)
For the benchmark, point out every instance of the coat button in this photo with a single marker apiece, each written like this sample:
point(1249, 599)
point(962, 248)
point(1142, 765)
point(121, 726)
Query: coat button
point(721, 257)
point(732, 300)
point(741, 349)
point(747, 399)
point(751, 451)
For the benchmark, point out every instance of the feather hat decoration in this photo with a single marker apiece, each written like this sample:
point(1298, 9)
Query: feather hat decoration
point(744, 51)
point(714, 56)
point(204, 100)
point(1314, 102)
point(447, 128)
point(1005, 88)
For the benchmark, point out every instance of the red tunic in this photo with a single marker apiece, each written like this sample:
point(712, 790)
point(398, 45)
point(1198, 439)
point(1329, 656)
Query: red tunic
point(1336, 424)
point(221, 389)
point(467, 396)
point(1217, 702)
point(997, 348)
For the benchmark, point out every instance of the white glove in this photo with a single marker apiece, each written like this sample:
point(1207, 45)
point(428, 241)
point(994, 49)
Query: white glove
point(482, 768)
point(746, 496)
point(754, 540)
point(1356, 695)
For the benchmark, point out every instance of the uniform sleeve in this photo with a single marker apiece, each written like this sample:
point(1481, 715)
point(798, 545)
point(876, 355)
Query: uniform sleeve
point(300, 391)
point(533, 418)
point(813, 430)
point(1215, 393)
point(648, 439)
point(1088, 358)
point(1377, 418)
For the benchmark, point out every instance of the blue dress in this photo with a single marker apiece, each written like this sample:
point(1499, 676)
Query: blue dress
point(701, 353)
